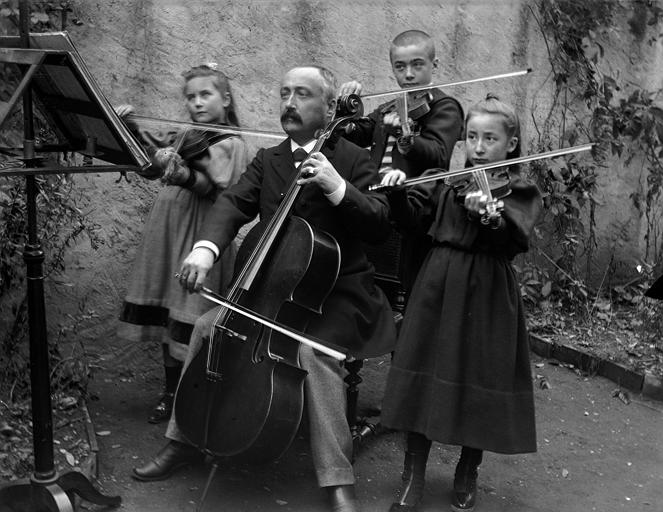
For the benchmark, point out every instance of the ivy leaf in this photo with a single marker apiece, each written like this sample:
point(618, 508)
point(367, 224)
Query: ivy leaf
point(547, 288)
point(39, 17)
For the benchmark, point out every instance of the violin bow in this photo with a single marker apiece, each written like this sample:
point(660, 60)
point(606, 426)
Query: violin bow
point(318, 345)
point(207, 126)
point(448, 84)
point(493, 165)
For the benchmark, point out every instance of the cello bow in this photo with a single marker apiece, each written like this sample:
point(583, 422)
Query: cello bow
point(338, 353)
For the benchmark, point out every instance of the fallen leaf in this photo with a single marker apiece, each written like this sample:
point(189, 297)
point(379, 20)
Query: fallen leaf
point(71, 460)
point(622, 395)
point(67, 402)
point(544, 384)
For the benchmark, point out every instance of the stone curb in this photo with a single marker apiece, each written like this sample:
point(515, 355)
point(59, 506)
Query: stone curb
point(648, 384)
point(90, 467)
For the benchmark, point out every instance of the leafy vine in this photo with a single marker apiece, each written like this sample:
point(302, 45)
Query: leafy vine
point(589, 105)
point(62, 222)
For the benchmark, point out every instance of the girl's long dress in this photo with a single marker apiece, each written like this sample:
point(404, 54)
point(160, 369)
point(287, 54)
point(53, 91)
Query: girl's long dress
point(155, 300)
point(461, 373)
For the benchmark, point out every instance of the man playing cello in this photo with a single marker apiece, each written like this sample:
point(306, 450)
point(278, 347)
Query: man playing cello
point(355, 314)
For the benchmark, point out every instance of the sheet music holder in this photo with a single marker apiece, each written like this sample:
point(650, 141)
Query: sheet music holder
point(83, 121)
point(68, 97)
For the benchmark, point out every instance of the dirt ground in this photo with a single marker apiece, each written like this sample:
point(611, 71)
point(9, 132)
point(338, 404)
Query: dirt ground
point(595, 452)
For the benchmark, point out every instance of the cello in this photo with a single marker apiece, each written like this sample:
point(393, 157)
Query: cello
point(242, 393)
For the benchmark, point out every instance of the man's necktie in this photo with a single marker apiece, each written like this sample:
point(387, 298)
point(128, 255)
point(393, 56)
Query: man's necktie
point(299, 155)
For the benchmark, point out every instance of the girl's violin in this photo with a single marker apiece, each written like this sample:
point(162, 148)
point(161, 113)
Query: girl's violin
point(494, 187)
point(195, 143)
point(473, 179)
point(443, 174)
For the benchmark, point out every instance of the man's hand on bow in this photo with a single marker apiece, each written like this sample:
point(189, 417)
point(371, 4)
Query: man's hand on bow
point(195, 268)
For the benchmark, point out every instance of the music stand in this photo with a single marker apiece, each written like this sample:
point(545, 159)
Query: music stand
point(656, 290)
point(84, 122)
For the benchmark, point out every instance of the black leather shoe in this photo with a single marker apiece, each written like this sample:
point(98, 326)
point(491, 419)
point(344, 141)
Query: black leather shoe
point(163, 409)
point(465, 480)
point(342, 498)
point(412, 488)
point(173, 456)
point(465, 495)
point(414, 472)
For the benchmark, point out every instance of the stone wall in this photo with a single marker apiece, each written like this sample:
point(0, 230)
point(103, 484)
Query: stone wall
point(137, 49)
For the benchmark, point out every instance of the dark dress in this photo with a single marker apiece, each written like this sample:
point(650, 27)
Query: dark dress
point(461, 373)
point(156, 307)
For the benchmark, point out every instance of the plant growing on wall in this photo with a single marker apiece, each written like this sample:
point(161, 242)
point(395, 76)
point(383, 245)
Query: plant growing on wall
point(589, 104)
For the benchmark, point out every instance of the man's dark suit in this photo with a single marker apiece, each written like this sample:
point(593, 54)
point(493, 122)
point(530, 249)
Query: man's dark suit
point(356, 313)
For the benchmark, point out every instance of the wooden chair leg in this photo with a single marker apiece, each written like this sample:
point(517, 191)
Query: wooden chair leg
point(352, 379)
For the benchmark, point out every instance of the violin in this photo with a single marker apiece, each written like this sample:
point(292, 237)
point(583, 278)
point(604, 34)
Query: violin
point(494, 187)
point(410, 107)
point(414, 102)
point(207, 127)
point(242, 393)
point(194, 144)
point(417, 106)
point(448, 84)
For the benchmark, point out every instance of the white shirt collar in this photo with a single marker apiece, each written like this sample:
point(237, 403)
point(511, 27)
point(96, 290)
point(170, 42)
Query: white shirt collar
point(306, 147)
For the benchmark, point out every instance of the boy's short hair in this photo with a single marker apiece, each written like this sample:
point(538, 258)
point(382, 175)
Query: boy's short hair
point(410, 37)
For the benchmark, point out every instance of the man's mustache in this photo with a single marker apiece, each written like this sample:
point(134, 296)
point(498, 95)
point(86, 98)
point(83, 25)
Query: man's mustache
point(291, 115)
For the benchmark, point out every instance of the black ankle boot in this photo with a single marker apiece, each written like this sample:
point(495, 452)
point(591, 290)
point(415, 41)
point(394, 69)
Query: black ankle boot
point(465, 480)
point(414, 471)
point(164, 408)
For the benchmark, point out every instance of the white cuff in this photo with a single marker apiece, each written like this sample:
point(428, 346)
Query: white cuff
point(208, 245)
point(337, 195)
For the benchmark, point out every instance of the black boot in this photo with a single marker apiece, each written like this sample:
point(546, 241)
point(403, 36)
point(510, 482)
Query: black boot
point(164, 408)
point(414, 470)
point(465, 480)
point(173, 456)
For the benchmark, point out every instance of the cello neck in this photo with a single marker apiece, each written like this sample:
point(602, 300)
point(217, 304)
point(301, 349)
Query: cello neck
point(350, 109)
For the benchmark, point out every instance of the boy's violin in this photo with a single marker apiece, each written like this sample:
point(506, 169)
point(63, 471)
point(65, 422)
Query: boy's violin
point(444, 85)
point(414, 102)
point(410, 107)
point(417, 104)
